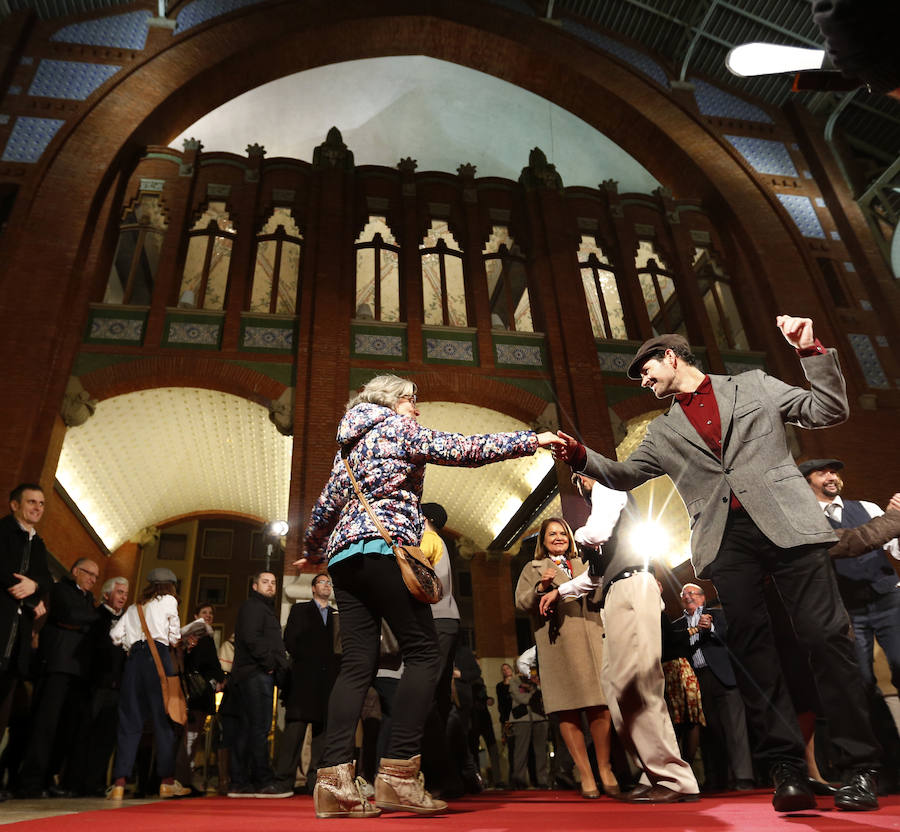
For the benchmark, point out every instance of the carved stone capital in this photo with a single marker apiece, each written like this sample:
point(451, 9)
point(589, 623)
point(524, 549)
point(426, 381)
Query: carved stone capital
point(77, 404)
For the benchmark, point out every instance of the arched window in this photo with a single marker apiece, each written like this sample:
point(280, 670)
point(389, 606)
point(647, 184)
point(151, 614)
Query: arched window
point(276, 273)
point(133, 272)
point(507, 281)
point(601, 291)
point(658, 289)
point(721, 308)
point(377, 272)
point(443, 284)
point(205, 278)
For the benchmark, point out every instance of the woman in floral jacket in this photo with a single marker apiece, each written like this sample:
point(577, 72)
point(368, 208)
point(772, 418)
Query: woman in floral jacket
point(388, 450)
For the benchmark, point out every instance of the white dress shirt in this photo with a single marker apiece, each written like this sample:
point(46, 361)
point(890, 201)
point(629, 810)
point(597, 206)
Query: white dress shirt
point(163, 623)
point(892, 547)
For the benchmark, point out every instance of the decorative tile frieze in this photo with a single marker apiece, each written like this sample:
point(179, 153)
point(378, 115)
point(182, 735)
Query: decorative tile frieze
point(4, 118)
point(881, 340)
point(193, 333)
point(268, 338)
point(765, 155)
point(73, 80)
point(803, 214)
point(283, 195)
point(218, 190)
point(868, 360)
point(849, 267)
point(700, 236)
point(525, 355)
point(29, 138)
point(129, 330)
point(121, 31)
point(713, 101)
point(153, 186)
point(639, 60)
point(614, 362)
point(199, 11)
point(446, 349)
point(388, 346)
point(835, 235)
point(820, 203)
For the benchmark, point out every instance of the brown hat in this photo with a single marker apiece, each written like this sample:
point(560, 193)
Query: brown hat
point(806, 468)
point(658, 342)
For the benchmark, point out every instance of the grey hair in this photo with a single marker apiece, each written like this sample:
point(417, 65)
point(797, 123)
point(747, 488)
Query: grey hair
point(694, 586)
point(385, 390)
point(108, 585)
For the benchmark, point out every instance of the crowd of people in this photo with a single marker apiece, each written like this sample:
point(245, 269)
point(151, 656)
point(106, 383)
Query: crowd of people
point(390, 697)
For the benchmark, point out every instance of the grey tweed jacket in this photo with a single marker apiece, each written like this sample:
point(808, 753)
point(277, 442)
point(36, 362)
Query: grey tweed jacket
point(756, 463)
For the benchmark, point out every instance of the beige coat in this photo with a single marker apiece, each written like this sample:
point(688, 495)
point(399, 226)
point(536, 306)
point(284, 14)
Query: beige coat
point(569, 642)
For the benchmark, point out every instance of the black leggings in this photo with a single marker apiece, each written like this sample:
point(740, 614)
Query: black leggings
point(368, 588)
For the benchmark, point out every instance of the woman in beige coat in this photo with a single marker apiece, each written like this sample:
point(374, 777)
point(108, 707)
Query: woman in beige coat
point(569, 646)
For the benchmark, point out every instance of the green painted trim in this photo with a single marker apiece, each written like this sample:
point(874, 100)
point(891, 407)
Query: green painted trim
point(165, 156)
point(447, 334)
point(89, 362)
point(383, 329)
point(540, 387)
point(270, 322)
point(283, 373)
point(113, 313)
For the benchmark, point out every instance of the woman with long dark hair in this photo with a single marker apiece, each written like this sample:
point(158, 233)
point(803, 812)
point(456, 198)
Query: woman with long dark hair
point(387, 451)
point(141, 695)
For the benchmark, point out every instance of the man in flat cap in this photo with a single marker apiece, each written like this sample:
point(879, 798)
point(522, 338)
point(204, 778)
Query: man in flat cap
point(868, 583)
point(753, 516)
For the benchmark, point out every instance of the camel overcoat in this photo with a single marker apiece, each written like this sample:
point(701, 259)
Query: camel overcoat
point(569, 642)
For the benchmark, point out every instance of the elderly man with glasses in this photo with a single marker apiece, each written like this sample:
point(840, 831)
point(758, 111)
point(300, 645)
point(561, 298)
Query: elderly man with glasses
point(62, 693)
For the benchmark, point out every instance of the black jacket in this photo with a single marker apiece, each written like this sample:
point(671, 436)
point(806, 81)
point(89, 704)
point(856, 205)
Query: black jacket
point(67, 643)
point(15, 628)
point(109, 660)
point(712, 644)
point(258, 647)
point(314, 665)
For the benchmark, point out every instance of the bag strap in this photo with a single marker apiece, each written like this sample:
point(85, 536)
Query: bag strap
point(364, 501)
point(152, 645)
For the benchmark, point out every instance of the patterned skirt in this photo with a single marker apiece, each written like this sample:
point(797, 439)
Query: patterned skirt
point(683, 693)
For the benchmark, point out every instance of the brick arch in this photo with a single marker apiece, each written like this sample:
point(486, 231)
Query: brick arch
point(160, 94)
point(638, 405)
point(481, 391)
point(207, 373)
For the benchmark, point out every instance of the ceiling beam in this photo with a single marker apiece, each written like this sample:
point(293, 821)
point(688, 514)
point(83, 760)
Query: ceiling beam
point(533, 505)
point(699, 32)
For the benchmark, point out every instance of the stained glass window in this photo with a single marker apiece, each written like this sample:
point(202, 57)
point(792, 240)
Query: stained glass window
point(133, 272)
point(507, 280)
point(658, 289)
point(443, 284)
point(601, 291)
point(721, 308)
point(276, 273)
point(377, 272)
point(205, 279)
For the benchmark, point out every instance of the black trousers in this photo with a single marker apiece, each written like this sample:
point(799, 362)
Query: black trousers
point(805, 580)
point(368, 588)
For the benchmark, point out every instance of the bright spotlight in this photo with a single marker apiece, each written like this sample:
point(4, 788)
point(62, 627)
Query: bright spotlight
point(750, 59)
point(650, 540)
point(277, 528)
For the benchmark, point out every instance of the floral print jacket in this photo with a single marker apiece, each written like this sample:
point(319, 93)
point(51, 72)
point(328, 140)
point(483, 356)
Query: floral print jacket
point(388, 458)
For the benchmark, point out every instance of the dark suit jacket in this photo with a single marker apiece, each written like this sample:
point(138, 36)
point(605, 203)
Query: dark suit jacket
point(67, 640)
point(712, 644)
point(14, 627)
point(314, 664)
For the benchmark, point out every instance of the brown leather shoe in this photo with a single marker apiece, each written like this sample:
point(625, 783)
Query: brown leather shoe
point(661, 794)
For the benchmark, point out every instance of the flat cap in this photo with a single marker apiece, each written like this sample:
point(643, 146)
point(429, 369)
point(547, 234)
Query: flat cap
point(162, 575)
point(818, 464)
point(658, 342)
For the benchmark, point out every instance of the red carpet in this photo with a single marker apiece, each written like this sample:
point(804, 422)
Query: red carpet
point(490, 812)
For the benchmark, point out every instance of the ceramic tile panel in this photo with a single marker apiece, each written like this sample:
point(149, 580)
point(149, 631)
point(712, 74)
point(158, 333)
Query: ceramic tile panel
point(29, 138)
point(69, 79)
point(640, 61)
point(389, 346)
point(713, 101)
point(614, 362)
point(268, 338)
point(868, 360)
point(764, 155)
point(803, 214)
point(194, 334)
point(526, 355)
point(122, 31)
point(199, 11)
point(117, 329)
point(446, 349)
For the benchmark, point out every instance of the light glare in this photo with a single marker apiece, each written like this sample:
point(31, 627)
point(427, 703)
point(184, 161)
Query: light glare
point(751, 59)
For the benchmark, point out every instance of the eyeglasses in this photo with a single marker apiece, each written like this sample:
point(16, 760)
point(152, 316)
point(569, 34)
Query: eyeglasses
point(411, 399)
point(327, 583)
point(94, 575)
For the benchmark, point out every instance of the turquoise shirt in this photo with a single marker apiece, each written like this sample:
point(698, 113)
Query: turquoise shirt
point(376, 546)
